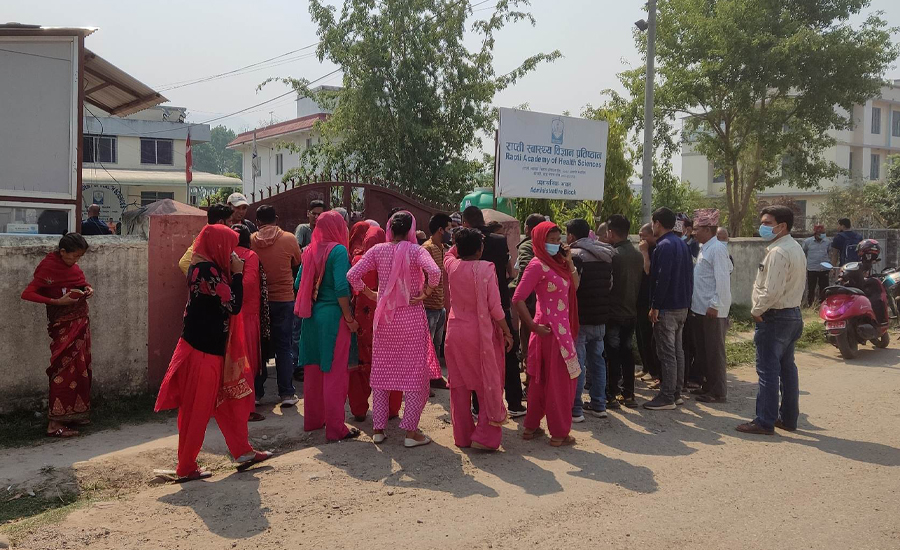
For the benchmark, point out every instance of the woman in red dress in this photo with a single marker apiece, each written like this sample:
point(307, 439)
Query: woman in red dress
point(209, 372)
point(60, 284)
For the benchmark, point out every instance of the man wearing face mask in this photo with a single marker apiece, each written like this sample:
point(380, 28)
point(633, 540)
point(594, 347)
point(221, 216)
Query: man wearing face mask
point(777, 294)
point(439, 226)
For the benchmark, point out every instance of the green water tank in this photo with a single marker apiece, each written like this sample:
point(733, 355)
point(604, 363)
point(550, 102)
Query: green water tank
point(483, 197)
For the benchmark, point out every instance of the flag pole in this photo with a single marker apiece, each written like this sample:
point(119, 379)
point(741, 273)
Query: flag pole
point(253, 164)
point(188, 166)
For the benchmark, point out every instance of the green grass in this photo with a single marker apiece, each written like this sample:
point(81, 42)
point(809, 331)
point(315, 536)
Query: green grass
point(23, 428)
point(52, 512)
point(742, 351)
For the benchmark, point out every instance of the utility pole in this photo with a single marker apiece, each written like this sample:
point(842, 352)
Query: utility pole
point(647, 179)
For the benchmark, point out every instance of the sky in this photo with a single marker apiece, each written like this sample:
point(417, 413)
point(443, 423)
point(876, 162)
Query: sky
point(167, 42)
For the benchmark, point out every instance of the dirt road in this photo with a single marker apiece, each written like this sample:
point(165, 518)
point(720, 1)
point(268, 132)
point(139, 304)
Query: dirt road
point(640, 479)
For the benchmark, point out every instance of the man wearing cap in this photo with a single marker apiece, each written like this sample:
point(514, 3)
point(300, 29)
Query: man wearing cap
point(710, 302)
point(239, 202)
point(816, 249)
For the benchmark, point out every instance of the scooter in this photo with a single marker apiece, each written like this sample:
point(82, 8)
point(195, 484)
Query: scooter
point(890, 278)
point(849, 317)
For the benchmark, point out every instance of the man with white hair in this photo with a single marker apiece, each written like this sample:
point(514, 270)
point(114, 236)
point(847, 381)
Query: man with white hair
point(93, 225)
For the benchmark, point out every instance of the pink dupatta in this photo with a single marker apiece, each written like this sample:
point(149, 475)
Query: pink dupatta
point(396, 293)
point(330, 231)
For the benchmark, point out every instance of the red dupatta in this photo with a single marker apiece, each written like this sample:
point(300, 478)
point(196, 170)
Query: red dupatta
point(558, 264)
point(358, 237)
point(330, 231)
point(53, 278)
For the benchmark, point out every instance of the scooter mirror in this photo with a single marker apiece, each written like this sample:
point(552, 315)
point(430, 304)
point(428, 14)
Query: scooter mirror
point(852, 266)
point(827, 265)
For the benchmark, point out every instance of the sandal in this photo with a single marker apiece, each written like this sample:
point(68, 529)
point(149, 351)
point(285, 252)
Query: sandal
point(256, 417)
point(63, 433)
point(194, 476)
point(480, 447)
point(568, 440)
point(79, 423)
point(528, 435)
point(352, 433)
point(259, 456)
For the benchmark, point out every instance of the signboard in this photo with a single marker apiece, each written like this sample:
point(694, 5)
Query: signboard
point(108, 197)
point(22, 228)
point(545, 156)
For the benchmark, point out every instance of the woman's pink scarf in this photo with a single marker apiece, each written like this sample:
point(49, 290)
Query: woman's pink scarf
point(330, 231)
point(396, 293)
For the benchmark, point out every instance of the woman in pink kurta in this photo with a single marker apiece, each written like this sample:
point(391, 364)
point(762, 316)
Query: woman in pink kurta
point(403, 357)
point(552, 363)
point(477, 336)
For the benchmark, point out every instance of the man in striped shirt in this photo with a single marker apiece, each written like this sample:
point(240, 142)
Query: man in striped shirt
point(710, 303)
point(776, 299)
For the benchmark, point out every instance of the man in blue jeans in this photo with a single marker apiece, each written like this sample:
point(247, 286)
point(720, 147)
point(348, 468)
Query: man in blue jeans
point(777, 294)
point(671, 288)
point(593, 260)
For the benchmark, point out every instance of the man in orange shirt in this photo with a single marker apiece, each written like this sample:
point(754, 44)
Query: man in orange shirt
point(279, 255)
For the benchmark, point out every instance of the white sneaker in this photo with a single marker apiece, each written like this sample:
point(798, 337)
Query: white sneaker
point(379, 438)
point(410, 442)
point(600, 414)
point(578, 419)
point(290, 401)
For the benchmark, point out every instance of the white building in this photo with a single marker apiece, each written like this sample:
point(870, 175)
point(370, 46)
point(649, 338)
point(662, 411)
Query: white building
point(862, 151)
point(137, 160)
point(274, 157)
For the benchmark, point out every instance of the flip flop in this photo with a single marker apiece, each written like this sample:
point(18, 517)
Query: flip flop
point(260, 456)
point(63, 433)
point(171, 476)
point(529, 435)
point(256, 417)
point(352, 433)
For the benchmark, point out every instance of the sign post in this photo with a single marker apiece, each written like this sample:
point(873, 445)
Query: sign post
point(546, 156)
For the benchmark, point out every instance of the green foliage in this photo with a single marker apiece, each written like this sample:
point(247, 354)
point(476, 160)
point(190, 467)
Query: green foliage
point(868, 204)
point(214, 158)
point(671, 192)
point(415, 96)
point(759, 81)
point(221, 195)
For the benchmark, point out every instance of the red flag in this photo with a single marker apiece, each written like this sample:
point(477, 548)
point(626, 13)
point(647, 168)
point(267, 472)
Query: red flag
point(188, 159)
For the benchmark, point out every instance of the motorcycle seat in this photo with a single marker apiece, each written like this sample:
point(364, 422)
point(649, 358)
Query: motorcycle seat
point(832, 290)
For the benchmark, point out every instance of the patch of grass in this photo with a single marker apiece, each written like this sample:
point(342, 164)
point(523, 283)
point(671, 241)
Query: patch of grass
point(743, 352)
point(741, 320)
point(53, 512)
point(23, 428)
point(27, 506)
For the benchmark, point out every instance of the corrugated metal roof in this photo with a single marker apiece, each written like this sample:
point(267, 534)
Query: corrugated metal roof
point(92, 175)
point(114, 90)
point(280, 129)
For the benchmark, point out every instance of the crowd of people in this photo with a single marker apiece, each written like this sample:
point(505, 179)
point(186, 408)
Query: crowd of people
point(359, 310)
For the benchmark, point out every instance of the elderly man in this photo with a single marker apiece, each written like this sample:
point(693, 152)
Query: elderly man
point(93, 225)
point(776, 298)
point(239, 203)
point(816, 249)
point(710, 303)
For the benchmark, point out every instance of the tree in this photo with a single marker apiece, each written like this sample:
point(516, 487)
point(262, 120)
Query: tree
point(868, 204)
point(759, 81)
point(213, 157)
point(415, 98)
point(220, 195)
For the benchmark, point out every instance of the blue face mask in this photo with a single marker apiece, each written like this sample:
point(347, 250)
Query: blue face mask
point(552, 248)
point(766, 232)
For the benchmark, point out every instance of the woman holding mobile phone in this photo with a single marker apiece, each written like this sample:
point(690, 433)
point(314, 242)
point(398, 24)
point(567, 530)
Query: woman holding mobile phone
point(60, 284)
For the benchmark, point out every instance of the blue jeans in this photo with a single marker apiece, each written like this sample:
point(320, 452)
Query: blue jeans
point(281, 317)
point(775, 339)
point(437, 323)
point(589, 347)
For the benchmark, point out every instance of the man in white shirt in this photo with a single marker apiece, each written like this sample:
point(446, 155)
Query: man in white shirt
point(710, 304)
point(776, 298)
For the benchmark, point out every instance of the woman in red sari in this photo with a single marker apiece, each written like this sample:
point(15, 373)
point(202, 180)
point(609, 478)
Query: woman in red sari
point(254, 306)
point(209, 372)
point(60, 284)
point(364, 308)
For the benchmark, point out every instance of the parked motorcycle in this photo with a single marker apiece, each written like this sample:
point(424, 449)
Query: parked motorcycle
point(848, 312)
point(890, 278)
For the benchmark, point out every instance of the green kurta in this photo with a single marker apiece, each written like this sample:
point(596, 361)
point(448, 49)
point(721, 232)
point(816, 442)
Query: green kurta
point(319, 333)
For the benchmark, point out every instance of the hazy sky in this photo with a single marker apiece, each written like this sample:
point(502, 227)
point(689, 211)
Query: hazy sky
point(167, 42)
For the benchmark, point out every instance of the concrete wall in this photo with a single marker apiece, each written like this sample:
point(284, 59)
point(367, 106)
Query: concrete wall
point(747, 254)
point(116, 267)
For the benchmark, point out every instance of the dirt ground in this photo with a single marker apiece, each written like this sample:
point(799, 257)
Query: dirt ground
point(639, 479)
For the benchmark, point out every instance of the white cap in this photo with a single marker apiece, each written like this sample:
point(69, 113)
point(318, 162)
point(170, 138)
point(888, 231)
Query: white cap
point(237, 199)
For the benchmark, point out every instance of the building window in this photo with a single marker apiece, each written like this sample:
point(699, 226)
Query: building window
point(875, 170)
point(718, 174)
point(895, 123)
point(279, 164)
point(876, 120)
point(157, 151)
point(149, 197)
point(99, 149)
point(308, 143)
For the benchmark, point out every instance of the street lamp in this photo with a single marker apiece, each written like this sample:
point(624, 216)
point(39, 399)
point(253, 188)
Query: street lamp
point(647, 176)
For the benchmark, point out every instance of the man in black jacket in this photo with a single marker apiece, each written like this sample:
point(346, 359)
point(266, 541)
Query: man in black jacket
point(496, 251)
point(593, 259)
